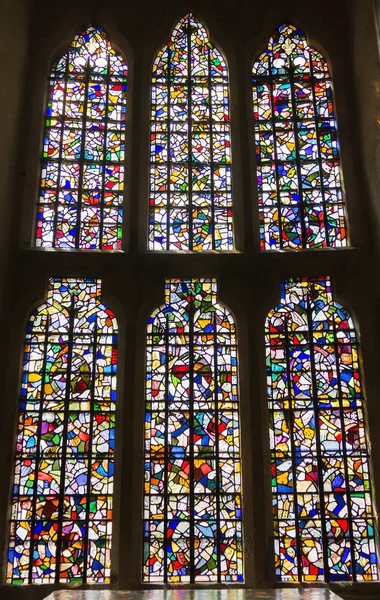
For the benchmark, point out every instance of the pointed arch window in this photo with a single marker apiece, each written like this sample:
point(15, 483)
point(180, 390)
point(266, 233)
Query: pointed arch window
point(301, 203)
point(192, 504)
point(322, 506)
point(80, 202)
point(60, 527)
point(190, 169)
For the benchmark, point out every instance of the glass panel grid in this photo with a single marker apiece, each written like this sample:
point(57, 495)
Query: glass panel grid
point(82, 167)
point(322, 507)
point(190, 177)
point(301, 202)
point(60, 527)
point(192, 507)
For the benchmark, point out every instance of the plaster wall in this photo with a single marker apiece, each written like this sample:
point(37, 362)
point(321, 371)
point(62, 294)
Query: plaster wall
point(14, 47)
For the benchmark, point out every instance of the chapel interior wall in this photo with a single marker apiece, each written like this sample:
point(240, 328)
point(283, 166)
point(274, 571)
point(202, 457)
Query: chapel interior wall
point(133, 281)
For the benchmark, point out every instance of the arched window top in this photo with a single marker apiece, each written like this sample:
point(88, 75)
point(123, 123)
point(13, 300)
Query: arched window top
point(288, 51)
point(301, 201)
point(173, 61)
point(67, 295)
point(92, 49)
point(304, 297)
point(80, 203)
point(196, 27)
point(190, 161)
point(197, 296)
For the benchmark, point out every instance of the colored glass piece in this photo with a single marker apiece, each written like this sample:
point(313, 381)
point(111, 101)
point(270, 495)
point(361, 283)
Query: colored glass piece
point(192, 503)
point(322, 505)
point(301, 202)
point(82, 168)
point(190, 164)
point(60, 526)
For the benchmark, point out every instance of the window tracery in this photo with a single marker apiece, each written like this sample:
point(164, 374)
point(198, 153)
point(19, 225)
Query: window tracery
point(323, 512)
point(190, 172)
point(301, 201)
point(61, 513)
point(192, 502)
point(82, 172)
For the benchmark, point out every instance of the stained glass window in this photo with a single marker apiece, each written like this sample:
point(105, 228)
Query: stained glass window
point(192, 505)
point(60, 528)
point(322, 506)
point(301, 202)
point(82, 172)
point(190, 172)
